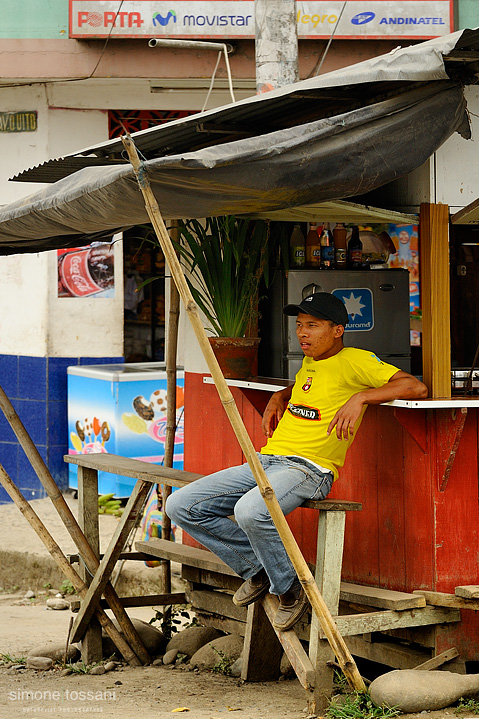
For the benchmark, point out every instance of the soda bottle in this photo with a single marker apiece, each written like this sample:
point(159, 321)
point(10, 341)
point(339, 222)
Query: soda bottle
point(327, 248)
point(297, 250)
point(340, 247)
point(313, 247)
point(355, 250)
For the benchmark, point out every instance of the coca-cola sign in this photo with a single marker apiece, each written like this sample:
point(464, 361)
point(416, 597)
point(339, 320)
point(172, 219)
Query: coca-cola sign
point(85, 271)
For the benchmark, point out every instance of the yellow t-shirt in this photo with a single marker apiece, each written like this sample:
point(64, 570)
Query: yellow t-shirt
point(320, 389)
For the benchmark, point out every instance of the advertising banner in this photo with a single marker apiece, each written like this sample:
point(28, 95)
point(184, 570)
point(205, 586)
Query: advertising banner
point(228, 19)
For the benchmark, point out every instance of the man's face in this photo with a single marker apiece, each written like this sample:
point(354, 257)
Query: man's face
point(319, 339)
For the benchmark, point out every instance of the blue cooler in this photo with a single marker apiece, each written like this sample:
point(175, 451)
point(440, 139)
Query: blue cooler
point(121, 409)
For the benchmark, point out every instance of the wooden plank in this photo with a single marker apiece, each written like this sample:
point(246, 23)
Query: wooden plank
point(193, 556)
point(329, 557)
point(130, 556)
point(291, 644)
point(390, 619)
point(396, 656)
point(224, 624)
point(91, 645)
point(469, 591)
point(438, 660)
point(149, 600)
point(135, 468)
point(262, 651)
point(382, 598)
point(206, 579)
point(442, 599)
point(333, 505)
point(147, 472)
point(103, 573)
point(216, 603)
point(436, 338)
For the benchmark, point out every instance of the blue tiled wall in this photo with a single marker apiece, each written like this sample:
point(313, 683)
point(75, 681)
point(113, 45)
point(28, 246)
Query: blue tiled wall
point(37, 389)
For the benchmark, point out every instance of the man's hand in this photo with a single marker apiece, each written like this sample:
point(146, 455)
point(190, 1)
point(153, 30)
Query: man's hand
point(401, 386)
point(346, 417)
point(275, 410)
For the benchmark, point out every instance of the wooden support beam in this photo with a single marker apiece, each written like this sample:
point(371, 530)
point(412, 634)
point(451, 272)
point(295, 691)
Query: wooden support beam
point(102, 576)
point(436, 338)
point(438, 660)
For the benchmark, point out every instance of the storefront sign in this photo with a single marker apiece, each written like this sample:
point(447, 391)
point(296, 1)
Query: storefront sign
point(223, 19)
point(18, 121)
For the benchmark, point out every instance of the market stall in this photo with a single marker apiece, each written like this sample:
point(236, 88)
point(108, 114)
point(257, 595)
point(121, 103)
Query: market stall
point(319, 156)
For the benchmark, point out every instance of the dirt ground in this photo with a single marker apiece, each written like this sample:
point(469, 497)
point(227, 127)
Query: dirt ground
point(129, 693)
point(126, 693)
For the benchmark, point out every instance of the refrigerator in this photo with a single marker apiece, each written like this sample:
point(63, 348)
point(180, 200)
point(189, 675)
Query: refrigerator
point(121, 409)
point(378, 309)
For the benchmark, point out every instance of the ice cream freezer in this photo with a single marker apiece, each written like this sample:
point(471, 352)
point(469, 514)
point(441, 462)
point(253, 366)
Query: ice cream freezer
point(121, 409)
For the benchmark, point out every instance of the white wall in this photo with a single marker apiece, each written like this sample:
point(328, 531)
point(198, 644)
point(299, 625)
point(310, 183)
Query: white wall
point(457, 162)
point(33, 320)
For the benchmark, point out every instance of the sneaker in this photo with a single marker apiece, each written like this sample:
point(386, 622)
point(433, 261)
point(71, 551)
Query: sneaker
point(291, 609)
point(252, 590)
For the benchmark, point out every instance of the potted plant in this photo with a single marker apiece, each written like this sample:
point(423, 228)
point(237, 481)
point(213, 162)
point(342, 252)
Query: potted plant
point(227, 257)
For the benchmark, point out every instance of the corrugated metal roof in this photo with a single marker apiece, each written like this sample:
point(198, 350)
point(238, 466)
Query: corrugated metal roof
point(319, 97)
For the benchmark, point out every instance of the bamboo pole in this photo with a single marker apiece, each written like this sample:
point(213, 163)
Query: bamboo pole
point(171, 353)
point(318, 604)
point(63, 563)
point(88, 555)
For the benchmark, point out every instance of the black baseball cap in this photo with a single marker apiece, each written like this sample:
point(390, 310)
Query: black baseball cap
point(322, 305)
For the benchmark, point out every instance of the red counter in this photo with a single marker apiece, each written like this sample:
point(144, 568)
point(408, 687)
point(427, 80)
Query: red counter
point(415, 470)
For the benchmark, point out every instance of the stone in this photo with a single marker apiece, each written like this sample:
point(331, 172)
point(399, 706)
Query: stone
point(56, 652)
point(66, 672)
point(29, 595)
point(97, 670)
point(414, 691)
point(236, 667)
point(214, 652)
point(57, 603)
point(110, 666)
point(191, 639)
point(170, 656)
point(43, 663)
point(152, 638)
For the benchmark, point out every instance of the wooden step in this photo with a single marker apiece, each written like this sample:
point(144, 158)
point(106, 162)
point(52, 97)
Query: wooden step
point(203, 559)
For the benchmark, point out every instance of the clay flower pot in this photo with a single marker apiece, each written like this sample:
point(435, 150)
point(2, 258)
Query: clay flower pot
point(236, 355)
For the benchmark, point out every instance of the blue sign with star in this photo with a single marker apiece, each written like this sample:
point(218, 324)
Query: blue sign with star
point(359, 304)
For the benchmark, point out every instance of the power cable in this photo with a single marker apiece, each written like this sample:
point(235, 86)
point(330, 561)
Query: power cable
point(319, 65)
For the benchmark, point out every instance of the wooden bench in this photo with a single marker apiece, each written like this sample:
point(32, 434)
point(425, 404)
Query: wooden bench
point(210, 584)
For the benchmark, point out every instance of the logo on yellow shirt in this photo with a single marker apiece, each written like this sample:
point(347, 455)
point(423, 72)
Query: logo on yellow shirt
point(307, 385)
point(302, 411)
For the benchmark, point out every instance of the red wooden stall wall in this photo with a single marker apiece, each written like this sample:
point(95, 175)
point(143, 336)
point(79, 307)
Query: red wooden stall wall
point(416, 530)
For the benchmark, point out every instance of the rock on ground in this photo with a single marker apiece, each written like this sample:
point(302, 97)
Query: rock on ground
point(56, 652)
point(152, 638)
point(191, 639)
point(43, 663)
point(212, 653)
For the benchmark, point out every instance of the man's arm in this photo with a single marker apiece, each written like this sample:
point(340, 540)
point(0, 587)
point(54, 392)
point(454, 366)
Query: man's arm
point(275, 410)
point(401, 386)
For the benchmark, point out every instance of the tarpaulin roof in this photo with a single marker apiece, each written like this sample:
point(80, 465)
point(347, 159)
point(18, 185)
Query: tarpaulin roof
point(327, 138)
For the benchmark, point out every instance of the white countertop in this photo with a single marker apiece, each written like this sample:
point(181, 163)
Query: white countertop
point(269, 384)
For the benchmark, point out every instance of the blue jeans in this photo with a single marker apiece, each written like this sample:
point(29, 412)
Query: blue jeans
point(252, 543)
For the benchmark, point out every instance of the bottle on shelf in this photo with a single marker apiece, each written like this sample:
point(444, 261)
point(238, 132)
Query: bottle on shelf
point(327, 248)
point(355, 250)
point(340, 246)
point(297, 248)
point(313, 247)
